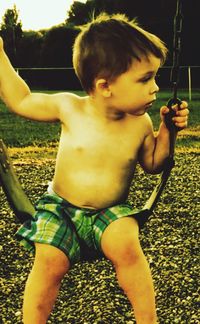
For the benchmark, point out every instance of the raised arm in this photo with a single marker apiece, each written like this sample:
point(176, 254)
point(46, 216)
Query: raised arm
point(155, 148)
point(18, 97)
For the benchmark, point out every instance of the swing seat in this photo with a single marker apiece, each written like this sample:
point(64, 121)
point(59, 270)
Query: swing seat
point(16, 196)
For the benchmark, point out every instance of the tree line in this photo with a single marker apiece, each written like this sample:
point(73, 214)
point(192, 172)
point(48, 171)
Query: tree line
point(53, 47)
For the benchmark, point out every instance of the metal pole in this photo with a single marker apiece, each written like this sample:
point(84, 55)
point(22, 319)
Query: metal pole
point(189, 83)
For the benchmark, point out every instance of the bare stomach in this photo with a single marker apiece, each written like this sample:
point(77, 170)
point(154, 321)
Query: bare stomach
point(92, 189)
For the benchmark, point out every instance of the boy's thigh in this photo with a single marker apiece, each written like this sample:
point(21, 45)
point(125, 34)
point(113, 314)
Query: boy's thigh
point(49, 230)
point(109, 223)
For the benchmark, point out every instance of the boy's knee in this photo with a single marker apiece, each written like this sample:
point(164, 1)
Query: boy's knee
point(128, 253)
point(120, 242)
point(51, 261)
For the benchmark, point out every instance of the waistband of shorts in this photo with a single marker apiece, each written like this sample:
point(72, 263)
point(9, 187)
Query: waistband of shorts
point(50, 190)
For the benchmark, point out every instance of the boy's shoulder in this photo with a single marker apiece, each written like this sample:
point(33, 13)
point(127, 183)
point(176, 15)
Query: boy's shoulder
point(69, 100)
point(147, 123)
point(69, 96)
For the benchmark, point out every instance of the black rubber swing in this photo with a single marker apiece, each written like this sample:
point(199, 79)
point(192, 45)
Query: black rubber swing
point(20, 203)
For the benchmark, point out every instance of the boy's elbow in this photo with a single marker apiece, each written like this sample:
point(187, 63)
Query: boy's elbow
point(153, 168)
point(16, 101)
point(19, 104)
point(157, 170)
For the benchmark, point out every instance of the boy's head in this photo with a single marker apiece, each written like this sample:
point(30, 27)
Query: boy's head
point(107, 46)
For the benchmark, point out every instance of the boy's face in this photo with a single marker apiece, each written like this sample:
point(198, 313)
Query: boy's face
point(135, 90)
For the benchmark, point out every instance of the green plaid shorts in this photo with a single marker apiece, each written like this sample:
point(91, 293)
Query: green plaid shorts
point(75, 231)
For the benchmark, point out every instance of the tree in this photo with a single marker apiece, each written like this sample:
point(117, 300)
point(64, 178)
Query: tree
point(11, 32)
point(57, 47)
point(77, 14)
point(29, 51)
point(80, 13)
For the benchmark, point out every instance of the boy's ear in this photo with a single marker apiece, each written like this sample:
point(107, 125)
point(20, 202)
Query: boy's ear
point(103, 88)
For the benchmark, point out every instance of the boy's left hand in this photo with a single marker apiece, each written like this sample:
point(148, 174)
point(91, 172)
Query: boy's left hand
point(180, 120)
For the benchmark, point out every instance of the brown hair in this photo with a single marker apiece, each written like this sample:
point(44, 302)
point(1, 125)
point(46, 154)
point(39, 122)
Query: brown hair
point(106, 47)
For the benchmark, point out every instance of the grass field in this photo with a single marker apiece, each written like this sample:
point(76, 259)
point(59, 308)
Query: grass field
point(19, 132)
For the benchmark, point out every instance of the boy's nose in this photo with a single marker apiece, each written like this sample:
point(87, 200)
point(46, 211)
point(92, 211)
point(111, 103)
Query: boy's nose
point(155, 88)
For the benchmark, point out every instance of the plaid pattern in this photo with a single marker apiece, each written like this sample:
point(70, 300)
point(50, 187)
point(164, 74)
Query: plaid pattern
point(69, 228)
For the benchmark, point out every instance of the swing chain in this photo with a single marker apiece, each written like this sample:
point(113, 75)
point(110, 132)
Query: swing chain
point(178, 22)
point(169, 163)
point(174, 77)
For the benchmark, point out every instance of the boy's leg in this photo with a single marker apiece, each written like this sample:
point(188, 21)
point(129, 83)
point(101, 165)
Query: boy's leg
point(120, 243)
point(43, 283)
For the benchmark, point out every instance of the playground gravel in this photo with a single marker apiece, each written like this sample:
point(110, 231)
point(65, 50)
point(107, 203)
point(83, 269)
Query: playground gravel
point(90, 293)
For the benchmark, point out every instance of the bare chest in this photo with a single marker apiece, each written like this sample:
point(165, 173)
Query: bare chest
point(98, 143)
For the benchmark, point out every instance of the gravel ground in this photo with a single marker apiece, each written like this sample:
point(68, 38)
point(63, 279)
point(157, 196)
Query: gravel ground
point(89, 293)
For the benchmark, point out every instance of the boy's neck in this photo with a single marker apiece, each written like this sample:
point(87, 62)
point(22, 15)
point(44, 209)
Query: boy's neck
point(100, 109)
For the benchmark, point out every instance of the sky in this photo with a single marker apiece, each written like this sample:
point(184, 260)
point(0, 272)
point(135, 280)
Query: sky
point(38, 14)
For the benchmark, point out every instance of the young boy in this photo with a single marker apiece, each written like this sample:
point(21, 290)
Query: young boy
point(103, 136)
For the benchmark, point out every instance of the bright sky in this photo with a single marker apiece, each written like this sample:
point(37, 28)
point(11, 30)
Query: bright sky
point(38, 14)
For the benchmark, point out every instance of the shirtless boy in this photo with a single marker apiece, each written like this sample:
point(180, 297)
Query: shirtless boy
point(104, 135)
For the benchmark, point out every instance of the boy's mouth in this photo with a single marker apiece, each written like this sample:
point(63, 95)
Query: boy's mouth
point(150, 103)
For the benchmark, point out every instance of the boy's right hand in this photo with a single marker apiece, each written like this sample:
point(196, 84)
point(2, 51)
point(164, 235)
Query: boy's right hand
point(180, 118)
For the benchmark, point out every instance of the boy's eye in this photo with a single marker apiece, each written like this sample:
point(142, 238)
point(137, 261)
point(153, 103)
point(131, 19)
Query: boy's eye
point(146, 79)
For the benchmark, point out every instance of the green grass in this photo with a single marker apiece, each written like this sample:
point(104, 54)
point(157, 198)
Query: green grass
point(19, 132)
